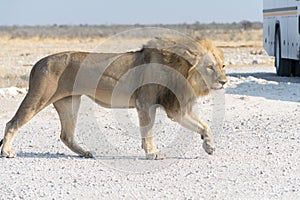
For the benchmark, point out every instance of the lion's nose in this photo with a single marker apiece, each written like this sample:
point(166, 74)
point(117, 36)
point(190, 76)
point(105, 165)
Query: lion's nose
point(223, 82)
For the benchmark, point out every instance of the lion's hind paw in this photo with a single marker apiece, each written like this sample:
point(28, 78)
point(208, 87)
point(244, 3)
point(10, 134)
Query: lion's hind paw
point(87, 154)
point(8, 154)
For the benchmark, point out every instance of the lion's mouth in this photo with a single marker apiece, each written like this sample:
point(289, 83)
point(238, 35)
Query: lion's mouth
point(218, 87)
point(221, 88)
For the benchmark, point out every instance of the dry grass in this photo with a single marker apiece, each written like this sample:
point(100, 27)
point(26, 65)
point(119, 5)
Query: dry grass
point(233, 38)
point(18, 55)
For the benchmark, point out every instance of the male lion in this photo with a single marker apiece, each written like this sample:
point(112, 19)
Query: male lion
point(167, 73)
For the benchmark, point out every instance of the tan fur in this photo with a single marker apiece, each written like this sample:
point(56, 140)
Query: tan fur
point(61, 79)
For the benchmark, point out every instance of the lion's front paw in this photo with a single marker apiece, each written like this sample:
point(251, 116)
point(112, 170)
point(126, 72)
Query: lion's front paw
point(154, 156)
point(8, 154)
point(209, 146)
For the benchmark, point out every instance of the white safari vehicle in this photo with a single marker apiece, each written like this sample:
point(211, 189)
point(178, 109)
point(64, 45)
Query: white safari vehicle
point(281, 29)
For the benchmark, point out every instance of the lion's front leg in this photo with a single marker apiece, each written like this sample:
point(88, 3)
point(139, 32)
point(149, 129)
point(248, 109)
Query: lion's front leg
point(146, 118)
point(191, 121)
point(149, 147)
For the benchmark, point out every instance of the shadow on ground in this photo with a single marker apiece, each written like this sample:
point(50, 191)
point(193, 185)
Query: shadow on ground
point(101, 157)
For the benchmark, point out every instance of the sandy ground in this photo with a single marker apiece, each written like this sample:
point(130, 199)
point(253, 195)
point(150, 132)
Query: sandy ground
point(257, 157)
point(256, 124)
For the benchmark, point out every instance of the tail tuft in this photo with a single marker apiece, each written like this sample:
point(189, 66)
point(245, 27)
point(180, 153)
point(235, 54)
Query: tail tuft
point(1, 142)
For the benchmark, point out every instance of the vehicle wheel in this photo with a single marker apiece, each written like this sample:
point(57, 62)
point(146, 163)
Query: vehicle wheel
point(283, 66)
point(297, 68)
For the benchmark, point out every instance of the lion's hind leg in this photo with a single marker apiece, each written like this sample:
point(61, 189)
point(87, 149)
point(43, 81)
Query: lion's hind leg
point(67, 109)
point(30, 106)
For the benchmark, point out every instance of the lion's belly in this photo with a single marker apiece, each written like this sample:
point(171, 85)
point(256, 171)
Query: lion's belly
point(110, 99)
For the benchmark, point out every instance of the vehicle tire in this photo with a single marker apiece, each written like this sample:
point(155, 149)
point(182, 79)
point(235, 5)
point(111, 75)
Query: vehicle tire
point(297, 68)
point(283, 66)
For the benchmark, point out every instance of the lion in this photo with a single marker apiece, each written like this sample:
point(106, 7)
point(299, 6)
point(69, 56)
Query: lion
point(166, 74)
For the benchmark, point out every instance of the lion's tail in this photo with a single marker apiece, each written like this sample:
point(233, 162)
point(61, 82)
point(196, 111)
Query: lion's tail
point(1, 142)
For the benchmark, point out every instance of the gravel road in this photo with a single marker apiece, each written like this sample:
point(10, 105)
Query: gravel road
point(257, 131)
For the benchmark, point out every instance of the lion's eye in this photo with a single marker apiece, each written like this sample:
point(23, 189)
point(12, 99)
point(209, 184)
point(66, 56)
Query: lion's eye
point(210, 67)
point(223, 66)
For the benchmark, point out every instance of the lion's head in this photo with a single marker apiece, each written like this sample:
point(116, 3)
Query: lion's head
point(203, 61)
point(209, 72)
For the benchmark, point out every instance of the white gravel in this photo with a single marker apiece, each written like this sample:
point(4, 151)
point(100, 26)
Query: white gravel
point(257, 157)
